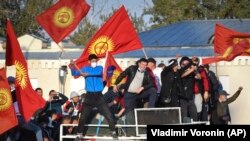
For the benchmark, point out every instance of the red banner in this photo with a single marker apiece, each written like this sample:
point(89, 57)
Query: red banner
point(117, 35)
point(228, 44)
point(62, 18)
point(7, 113)
point(111, 70)
point(28, 100)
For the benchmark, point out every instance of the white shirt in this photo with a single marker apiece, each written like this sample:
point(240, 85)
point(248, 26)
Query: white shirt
point(157, 73)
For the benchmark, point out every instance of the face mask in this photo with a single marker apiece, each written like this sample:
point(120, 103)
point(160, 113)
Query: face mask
point(93, 64)
point(12, 88)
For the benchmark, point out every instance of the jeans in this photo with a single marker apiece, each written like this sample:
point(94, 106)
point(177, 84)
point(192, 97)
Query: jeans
point(91, 101)
point(130, 99)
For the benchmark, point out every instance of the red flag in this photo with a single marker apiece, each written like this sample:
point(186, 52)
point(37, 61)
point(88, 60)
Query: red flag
point(28, 100)
point(117, 35)
point(228, 44)
point(111, 70)
point(63, 17)
point(7, 113)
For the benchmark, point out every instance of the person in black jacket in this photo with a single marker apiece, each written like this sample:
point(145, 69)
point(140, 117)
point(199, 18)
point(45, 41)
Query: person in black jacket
point(171, 84)
point(138, 85)
point(187, 72)
point(214, 85)
point(56, 100)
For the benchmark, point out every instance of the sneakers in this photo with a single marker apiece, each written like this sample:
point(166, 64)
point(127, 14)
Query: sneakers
point(114, 135)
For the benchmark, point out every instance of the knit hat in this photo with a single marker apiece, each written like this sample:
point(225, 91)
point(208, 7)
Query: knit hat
point(11, 79)
point(73, 94)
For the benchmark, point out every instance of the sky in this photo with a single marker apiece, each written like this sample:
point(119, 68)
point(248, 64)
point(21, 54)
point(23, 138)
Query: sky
point(105, 7)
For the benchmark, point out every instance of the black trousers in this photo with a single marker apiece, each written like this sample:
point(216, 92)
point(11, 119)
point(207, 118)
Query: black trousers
point(130, 99)
point(94, 100)
point(188, 109)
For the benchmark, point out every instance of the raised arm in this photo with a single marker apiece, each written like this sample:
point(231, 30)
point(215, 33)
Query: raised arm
point(235, 96)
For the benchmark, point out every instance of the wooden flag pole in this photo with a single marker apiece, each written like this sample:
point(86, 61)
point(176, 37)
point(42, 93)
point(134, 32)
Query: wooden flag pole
point(69, 57)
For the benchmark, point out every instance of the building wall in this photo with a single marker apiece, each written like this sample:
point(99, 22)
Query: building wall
point(45, 73)
point(28, 42)
point(238, 74)
point(2, 43)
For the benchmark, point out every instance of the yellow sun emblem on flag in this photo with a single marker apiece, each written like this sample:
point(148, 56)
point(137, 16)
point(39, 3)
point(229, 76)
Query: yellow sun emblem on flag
point(5, 99)
point(237, 40)
point(115, 75)
point(101, 45)
point(63, 17)
point(21, 75)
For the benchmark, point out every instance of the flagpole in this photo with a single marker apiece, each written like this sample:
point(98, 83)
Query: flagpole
point(107, 52)
point(144, 52)
point(69, 57)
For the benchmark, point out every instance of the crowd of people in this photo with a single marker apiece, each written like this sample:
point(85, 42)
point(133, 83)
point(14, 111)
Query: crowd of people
point(183, 83)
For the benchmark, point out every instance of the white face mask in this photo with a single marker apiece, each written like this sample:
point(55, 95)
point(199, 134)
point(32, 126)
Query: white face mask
point(93, 64)
point(12, 88)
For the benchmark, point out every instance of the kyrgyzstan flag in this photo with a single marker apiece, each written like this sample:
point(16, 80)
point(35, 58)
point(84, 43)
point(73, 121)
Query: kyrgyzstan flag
point(28, 100)
point(7, 113)
point(117, 35)
point(228, 44)
point(111, 70)
point(63, 17)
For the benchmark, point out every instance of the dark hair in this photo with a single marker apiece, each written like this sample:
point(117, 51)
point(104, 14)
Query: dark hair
point(152, 60)
point(51, 91)
point(172, 63)
point(185, 58)
point(92, 56)
point(38, 89)
point(206, 66)
point(161, 65)
point(142, 60)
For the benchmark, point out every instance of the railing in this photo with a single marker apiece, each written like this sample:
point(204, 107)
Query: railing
point(103, 137)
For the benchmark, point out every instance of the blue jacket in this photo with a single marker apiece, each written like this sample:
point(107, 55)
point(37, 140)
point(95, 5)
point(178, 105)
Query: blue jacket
point(93, 82)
